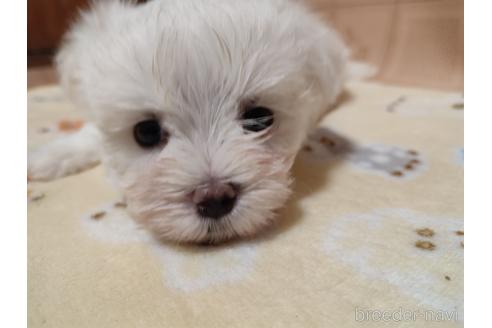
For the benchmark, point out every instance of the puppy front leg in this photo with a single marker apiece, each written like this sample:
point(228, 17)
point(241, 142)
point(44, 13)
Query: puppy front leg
point(66, 155)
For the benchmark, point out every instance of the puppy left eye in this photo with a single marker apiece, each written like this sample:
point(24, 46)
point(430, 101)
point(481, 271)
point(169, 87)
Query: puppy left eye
point(149, 133)
point(256, 119)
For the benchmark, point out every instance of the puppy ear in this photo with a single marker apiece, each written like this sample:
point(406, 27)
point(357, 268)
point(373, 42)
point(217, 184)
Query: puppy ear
point(329, 59)
point(76, 43)
point(358, 70)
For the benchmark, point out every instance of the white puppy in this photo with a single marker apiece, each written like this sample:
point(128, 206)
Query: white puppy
point(198, 107)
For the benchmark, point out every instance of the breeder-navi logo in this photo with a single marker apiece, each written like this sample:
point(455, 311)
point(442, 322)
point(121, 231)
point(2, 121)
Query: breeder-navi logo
point(401, 314)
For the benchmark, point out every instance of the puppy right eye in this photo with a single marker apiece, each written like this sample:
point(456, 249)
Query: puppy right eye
point(257, 118)
point(149, 133)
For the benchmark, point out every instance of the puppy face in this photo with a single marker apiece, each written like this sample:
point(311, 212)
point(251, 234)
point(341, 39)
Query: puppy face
point(202, 107)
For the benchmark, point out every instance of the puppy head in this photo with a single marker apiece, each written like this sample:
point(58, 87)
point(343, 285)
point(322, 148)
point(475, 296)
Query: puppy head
point(202, 106)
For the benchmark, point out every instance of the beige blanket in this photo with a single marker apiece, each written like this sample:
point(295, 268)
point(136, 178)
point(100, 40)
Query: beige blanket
point(372, 236)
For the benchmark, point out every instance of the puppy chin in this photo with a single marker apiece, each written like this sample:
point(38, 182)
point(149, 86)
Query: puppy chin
point(161, 201)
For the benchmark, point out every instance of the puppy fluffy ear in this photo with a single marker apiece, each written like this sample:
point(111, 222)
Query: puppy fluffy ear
point(76, 43)
point(358, 70)
point(329, 59)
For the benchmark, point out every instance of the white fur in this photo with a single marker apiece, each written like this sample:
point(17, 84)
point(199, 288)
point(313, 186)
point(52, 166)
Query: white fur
point(68, 155)
point(192, 64)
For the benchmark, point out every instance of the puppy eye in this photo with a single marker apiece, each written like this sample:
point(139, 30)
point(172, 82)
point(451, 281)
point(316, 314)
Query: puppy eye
point(149, 134)
point(256, 119)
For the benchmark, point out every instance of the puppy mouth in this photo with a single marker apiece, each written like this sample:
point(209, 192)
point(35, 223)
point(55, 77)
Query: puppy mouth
point(211, 210)
point(220, 229)
point(217, 232)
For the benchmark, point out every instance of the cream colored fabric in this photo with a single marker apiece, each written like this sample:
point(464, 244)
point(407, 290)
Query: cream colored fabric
point(386, 163)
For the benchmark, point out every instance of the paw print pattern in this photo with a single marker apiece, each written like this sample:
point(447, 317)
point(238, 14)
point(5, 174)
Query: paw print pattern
point(392, 106)
point(184, 268)
point(111, 223)
point(34, 196)
point(461, 234)
point(389, 161)
point(325, 144)
point(70, 125)
point(423, 106)
point(63, 126)
point(192, 268)
point(459, 156)
point(428, 233)
point(409, 250)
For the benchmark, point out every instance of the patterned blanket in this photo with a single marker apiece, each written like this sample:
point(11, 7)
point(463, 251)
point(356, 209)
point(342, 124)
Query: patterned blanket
point(373, 234)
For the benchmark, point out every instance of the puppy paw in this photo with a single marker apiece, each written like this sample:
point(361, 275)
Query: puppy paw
point(47, 164)
point(64, 156)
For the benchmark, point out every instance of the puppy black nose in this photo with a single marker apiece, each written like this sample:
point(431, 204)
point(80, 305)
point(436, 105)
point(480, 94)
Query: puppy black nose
point(215, 200)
